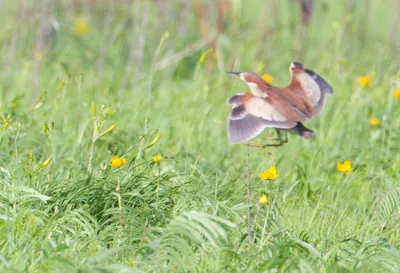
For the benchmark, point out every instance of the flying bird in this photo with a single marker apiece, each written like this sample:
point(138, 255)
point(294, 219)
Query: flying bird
point(282, 108)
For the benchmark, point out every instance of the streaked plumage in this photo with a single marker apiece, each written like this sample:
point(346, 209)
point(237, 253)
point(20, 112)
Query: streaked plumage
point(274, 107)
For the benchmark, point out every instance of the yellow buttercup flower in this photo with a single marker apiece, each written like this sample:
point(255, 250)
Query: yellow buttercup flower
point(365, 81)
point(344, 167)
point(117, 162)
point(374, 122)
point(267, 78)
point(81, 27)
point(263, 199)
point(157, 158)
point(270, 174)
point(396, 93)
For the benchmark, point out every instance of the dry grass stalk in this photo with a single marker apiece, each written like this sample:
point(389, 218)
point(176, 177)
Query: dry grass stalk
point(39, 49)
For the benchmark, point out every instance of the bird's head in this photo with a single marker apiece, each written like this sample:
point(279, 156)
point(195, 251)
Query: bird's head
point(256, 84)
point(295, 67)
point(248, 77)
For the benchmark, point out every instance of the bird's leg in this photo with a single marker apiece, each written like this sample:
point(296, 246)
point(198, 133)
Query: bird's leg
point(256, 145)
point(280, 139)
point(267, 137)
point(273, 145)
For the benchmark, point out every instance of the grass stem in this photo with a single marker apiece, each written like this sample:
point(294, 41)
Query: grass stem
point(121, 221)
point(248, 196)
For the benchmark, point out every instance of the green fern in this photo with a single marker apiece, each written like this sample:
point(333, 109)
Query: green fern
point(191, 235)
point(388, 206)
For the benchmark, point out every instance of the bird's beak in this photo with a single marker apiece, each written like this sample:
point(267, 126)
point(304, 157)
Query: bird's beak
point(234, 73)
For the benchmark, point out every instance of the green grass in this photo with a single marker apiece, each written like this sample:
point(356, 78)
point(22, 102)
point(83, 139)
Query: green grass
point(188, 213)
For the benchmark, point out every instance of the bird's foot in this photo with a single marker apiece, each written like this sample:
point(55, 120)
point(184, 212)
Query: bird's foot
point(268, 137)
point(257, 145)
point(264, 146)
point(279, 144)
point(281, 141)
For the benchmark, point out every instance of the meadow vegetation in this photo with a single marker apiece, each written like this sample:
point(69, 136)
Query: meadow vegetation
point(114, 154)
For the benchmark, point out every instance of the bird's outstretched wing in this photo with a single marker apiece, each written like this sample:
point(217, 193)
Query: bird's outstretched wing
point(316, 89)
point(251, 115)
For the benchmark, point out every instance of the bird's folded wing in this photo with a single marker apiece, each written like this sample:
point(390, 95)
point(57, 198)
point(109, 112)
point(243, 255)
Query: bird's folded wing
point(316, 89)
point(251, 115)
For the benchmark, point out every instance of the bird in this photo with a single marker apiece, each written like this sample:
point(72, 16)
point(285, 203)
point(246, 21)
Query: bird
point(282, 108)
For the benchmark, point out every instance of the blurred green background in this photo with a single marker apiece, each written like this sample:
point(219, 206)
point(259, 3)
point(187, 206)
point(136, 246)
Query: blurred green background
point(83, 81)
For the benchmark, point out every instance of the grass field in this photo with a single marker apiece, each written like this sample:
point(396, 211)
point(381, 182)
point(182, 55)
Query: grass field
point(84, 84)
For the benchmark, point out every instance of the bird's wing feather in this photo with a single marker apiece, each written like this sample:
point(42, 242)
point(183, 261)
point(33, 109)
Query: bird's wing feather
point(251, 115)
point(325, 89)
point(315, 88)
point(241, 130)
point(259, 107)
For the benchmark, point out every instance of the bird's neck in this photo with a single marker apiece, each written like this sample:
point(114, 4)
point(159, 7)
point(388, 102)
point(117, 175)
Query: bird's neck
point(259, 91)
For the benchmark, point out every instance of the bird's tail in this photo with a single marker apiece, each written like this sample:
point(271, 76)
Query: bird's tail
point(301, 130)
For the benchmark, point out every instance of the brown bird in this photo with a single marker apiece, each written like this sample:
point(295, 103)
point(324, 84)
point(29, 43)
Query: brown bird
point(275, 107)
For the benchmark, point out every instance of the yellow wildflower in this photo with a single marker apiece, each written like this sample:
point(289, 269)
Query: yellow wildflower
point(344, 167)
point(117, 162)
point(396, 93)
point(263, 199)
point(267, 78)
point(365, 81)
point(81, 27)
point(374, 122)
point(269, 174)
point(157, 158)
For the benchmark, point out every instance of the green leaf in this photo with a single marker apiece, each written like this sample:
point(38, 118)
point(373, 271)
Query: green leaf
point(112, 127)
point(154, 142)
point(31, 193)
